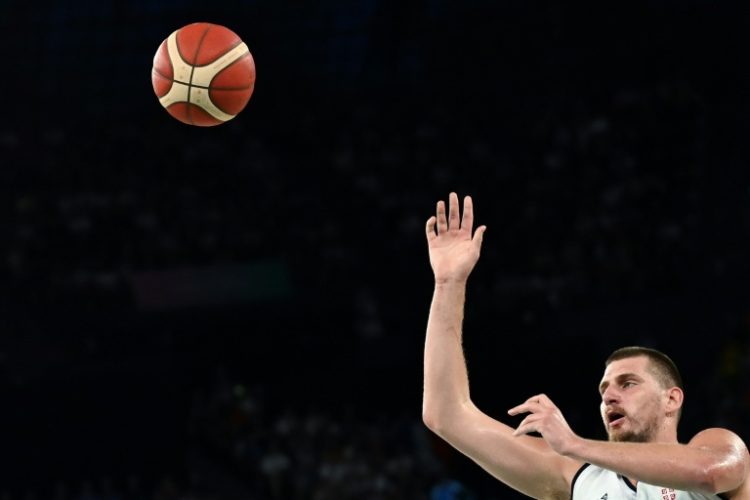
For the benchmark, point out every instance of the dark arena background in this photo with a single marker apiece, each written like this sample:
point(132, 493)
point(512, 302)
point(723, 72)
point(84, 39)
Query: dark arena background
point(238, 312)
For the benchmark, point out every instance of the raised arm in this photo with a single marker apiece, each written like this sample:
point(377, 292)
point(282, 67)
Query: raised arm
point(525, 463)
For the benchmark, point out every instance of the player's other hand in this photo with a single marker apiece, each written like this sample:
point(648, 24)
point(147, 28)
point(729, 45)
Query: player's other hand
point(454, 250)
point(546, 419)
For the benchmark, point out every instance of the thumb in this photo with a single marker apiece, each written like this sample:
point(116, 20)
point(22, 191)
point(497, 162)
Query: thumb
point(479, 235)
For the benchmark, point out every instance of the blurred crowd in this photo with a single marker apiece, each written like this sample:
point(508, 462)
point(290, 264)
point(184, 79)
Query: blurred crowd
point(606, 202)
point(597, 206)
point(241, 447)
point(295, 453)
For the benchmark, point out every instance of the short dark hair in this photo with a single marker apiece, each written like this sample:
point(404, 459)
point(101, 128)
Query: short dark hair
point(662, 366)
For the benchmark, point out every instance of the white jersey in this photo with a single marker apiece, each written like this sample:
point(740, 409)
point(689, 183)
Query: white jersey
point(594, 483)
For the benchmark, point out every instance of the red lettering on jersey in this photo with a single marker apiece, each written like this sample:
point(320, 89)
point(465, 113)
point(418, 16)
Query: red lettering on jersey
point(668, 494)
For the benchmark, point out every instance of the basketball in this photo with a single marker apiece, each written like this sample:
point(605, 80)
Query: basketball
point(203, 74)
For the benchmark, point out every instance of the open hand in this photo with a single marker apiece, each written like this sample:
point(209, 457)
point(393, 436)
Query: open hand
point(454, 251)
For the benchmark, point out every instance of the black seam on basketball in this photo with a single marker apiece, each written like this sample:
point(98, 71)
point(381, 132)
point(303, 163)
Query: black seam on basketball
point(179, 51)
point(239, 42)
point(172, 80)
point(162, 75)
point(225, 68)
point(223, 88)
point(169, 59)
point(192, 70)
point(241, 56)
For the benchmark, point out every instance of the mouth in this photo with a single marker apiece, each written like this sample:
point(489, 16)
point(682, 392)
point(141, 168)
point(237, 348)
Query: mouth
point(615, 419)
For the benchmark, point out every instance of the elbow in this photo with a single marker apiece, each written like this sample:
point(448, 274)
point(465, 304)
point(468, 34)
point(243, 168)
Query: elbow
point(719, 478)
point(432, 420)
point(724, 461)
point(707, 480)
point(441, 420)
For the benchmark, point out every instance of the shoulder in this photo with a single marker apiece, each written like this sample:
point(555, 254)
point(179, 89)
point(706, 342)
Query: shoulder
point(718, 437)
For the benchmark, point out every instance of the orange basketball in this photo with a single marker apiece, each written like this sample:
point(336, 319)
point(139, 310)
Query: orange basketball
point(203, 74)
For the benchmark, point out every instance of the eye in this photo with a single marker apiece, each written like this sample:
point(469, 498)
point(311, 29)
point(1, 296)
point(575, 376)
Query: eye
point(627, 384)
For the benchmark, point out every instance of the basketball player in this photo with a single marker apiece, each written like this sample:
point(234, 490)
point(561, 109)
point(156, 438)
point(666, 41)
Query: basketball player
point(641, 400)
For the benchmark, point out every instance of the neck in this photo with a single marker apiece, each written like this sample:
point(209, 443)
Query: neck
point(666, 434)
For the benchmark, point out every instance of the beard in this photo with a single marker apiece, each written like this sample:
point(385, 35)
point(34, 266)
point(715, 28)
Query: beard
point(642, 435)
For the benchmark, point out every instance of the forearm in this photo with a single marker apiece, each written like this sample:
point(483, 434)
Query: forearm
point(446, 383)
point(669, 465)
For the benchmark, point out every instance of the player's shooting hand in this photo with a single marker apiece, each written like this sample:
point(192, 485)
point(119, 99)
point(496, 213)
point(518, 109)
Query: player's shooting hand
point(546, 419)
point(454, 250)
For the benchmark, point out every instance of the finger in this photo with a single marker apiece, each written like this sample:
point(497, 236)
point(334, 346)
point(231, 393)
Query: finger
point(526, 429)
point(430, 228)
point(545, 401)
point(453, 212)
point(467, 221)
point(479, 236)
point(527, 407)
point(529, 424)
point(518, 409)
point(542, 399)
point(442, 222)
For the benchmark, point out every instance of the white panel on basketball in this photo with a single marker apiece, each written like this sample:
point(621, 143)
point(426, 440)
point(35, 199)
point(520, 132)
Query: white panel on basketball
point(204, 74)
point(181, 71)
point(178, 93)
point(180, 68)
point(197, 75)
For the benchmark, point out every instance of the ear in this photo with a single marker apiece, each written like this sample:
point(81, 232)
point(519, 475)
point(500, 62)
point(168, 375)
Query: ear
point(675, 397)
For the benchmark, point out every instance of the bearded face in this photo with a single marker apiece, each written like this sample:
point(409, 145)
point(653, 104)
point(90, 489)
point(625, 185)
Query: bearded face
point(639, 425)
point(632, 401)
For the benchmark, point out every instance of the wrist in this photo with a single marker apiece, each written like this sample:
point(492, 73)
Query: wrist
point(576, 448)
point(447, 282)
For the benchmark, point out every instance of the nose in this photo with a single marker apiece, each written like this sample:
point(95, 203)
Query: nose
point(610, 396)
